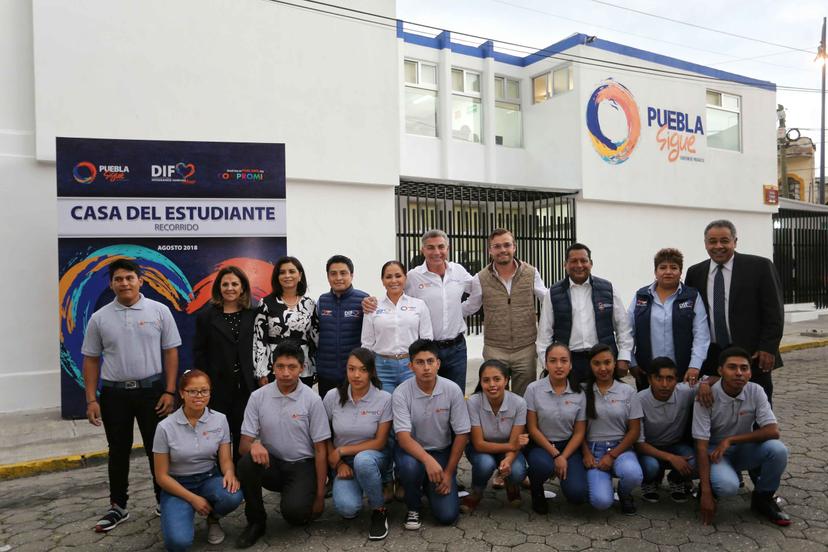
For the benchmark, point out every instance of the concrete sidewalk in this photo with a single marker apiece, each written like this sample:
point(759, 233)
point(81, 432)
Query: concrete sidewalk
point(40, 441)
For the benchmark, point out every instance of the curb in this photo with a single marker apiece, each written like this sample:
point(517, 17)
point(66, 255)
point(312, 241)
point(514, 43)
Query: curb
point(803, 345)
point(56, 463)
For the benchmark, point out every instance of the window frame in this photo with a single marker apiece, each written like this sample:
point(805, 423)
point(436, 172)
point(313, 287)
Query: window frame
point(469, 93)
point(737, 111)
point(514, 102)
point(419, 83)
point(549, 75)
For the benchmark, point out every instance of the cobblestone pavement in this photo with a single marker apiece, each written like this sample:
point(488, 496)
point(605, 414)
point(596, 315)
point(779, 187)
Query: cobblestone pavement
point(56, 511)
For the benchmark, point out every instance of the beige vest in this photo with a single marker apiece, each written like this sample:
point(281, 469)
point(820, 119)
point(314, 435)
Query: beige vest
point(509, 320)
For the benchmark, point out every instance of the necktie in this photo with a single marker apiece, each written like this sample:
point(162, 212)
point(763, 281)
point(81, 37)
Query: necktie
point(719, 320)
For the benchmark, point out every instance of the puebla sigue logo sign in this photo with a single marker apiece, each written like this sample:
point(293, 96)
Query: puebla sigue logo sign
point(677, 130)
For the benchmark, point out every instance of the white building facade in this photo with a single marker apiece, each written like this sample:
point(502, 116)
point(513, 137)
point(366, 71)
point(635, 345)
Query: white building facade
point(361, 106)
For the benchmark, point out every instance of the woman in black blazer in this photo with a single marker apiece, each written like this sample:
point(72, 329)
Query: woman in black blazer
point(223, 347)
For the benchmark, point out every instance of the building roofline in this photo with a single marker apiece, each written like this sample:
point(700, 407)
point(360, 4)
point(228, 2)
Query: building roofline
point(486, 49)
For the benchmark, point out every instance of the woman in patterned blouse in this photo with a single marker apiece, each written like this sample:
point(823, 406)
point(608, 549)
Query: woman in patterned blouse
point(287, 313)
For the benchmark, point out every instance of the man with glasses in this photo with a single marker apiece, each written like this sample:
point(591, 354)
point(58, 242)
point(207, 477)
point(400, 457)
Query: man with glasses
point(744, 303)
point(132, 334)
point(507, 288)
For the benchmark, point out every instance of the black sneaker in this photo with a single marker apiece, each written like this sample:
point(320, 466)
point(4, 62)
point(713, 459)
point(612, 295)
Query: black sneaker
point(680, 491)
point(112, 519)
point(766, 505)
point(539, 504)
point(412, 520)
point(649, 492)
point(379, 525)
point(627, 505)
point(250, 535)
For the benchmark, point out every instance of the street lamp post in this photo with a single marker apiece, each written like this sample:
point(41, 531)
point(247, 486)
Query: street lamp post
point(824, 58)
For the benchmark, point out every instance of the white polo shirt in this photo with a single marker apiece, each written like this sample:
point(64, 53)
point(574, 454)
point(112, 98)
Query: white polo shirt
point(355, 422)
point(497, 428)
point(443, 297)
point(731, 416)
point(613, 411)
point(192, 450)
point(556, 414)
point(391, 329)
point(430, 419)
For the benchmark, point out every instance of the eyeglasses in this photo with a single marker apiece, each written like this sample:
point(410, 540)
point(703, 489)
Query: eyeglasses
point(197, 392)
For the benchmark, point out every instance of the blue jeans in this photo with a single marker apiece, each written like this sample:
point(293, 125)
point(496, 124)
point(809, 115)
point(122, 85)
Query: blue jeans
point(177, 514)
point(368, 466)
point(768, 459)
point(445, 508)
point(542, 467)
point(392, 372)
point(626, 468)
point(484, 464)
point(653, 468)
point(453, 363)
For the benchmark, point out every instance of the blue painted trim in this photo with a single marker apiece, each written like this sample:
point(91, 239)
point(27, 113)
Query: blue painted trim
point(443, 40)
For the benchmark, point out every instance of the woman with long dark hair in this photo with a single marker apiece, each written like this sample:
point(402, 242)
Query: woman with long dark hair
point(360, 415)
point(223, 347)
point(556, 420)
point(498, 424)
point(614, 424)
point(287, 313)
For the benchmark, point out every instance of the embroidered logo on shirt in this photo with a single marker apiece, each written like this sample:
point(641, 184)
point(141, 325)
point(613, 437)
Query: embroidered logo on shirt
point(352, 313)
point(326, 312)
point(380, 311)
point(686, 305)
point(603, 306)
point(425, 285)
point(441, 410)
point(371, 412)
point(404, 308)
point(640, 302)
point(298, 415)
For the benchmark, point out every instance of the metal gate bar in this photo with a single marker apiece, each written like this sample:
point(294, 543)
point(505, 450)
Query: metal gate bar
point(800, 254)
point(543, 224)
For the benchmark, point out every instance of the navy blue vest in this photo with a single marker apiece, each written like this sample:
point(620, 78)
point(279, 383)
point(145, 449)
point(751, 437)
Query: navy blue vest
point(601, 302)
point(683, 315)
point(340, 331)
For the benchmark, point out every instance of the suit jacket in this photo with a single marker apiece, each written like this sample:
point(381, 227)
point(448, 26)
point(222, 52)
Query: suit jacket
point(756, 311)
point(215, 353)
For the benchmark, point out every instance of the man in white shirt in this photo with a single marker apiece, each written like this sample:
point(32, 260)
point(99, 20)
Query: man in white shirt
point(507, 288)
point(583, 310)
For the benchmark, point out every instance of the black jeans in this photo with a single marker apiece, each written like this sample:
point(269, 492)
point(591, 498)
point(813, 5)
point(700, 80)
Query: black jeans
point(296, 481)
point(120, 408)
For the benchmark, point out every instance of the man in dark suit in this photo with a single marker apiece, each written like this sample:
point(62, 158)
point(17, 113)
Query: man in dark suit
point(744, 303)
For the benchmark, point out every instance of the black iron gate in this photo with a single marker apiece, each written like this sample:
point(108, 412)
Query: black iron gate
point(800, 253)
point(543, 224)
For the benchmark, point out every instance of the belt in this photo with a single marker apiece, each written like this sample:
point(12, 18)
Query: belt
point(145, 383)
point(444, 343)
point(394, 357)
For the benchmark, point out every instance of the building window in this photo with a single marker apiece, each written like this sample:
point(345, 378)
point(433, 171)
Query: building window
point(552, 84)
point(508, 129)
point(724, 121)
point(420, 98)
point(466, 120)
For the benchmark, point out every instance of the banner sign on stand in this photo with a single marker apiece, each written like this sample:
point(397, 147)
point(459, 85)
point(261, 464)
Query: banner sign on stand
point(181, 210)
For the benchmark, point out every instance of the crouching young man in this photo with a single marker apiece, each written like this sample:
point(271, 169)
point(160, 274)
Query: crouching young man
point(728, 428)
point(432, 427)
point(283, 447)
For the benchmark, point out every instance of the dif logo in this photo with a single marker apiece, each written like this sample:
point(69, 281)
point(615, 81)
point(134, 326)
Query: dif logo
point(180, 172)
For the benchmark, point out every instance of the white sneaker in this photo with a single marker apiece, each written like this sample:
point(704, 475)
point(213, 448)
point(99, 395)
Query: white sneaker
point(215, 534)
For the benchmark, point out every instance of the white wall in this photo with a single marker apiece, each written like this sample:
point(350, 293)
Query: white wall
point(625, 237)
point(243, 70)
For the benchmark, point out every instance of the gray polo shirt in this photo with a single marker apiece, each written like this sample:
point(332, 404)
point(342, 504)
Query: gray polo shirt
point(665, 422)
point(731, 416)
point(355, 422)
point(497, 428)
point(430, 418)
point(557, 414)
point(130, 338)
point(613, 412)
point(192, 450)
point(287, 425)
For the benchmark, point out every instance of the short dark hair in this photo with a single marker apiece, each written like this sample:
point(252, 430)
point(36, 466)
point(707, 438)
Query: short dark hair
point(289, 348)
point(575, 246)
point(124, 264)
point(423, 346)
point(733, 352)
point(668, 255)
point(499, 232)
point(391, 263)
point(661, 362)
point(301, 287)
point(244, 296)
point(721, 223)
point(340, 259)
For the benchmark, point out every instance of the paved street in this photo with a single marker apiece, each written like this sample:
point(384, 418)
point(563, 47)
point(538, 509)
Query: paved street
point(56, 511)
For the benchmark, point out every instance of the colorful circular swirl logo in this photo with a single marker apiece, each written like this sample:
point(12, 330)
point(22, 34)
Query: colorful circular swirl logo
point(84, 172)
point(619, 97)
